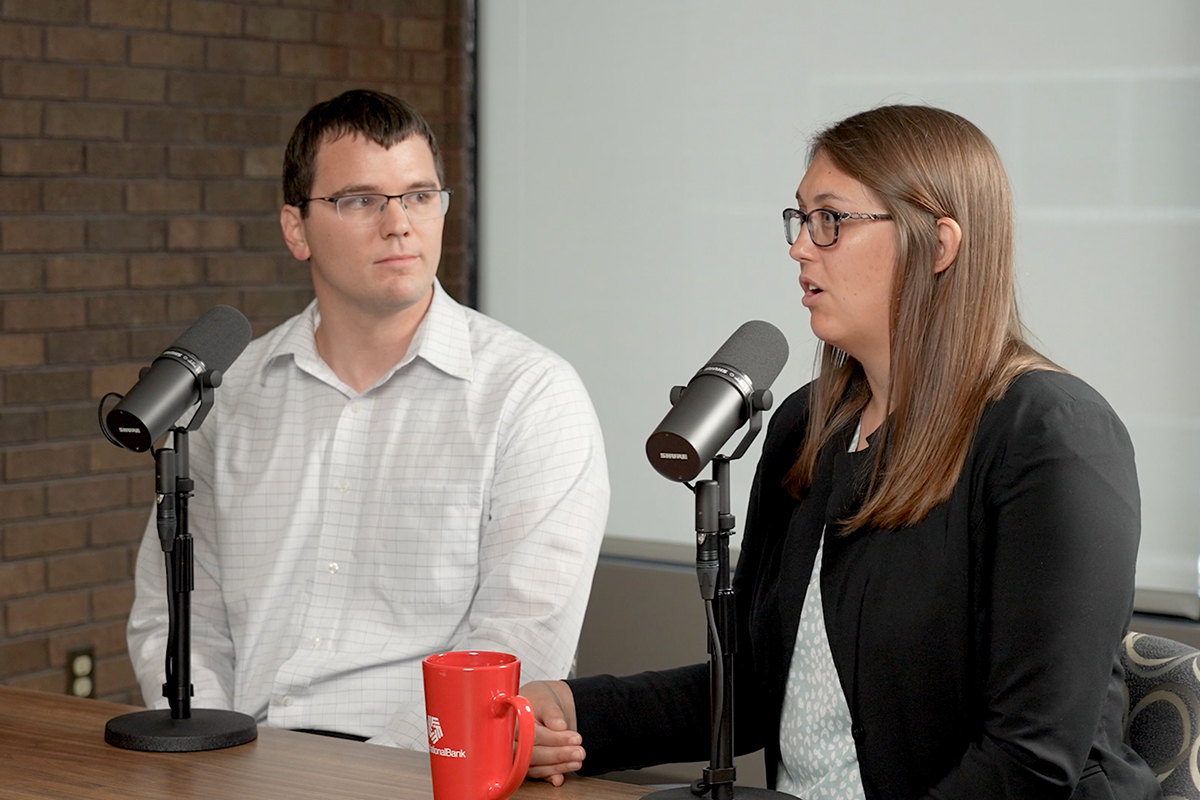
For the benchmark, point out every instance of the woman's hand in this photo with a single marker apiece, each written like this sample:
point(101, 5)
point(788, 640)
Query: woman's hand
point(557, 747)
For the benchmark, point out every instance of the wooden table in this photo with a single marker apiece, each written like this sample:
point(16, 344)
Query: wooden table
point(52, 746)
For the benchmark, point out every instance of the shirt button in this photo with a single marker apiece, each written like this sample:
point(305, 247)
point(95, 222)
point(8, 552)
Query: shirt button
point(333, 568)
point(316, 640)
point(343, 487)
point(287, 700)
point(354, 407)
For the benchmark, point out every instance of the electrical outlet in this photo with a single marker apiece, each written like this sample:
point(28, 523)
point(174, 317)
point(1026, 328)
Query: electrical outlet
point(81, 668)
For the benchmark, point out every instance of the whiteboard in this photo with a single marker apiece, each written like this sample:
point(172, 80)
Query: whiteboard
point(634, 157)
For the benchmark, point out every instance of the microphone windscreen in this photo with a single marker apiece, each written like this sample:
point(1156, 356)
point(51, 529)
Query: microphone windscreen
point(217, 338)
point(757, 349)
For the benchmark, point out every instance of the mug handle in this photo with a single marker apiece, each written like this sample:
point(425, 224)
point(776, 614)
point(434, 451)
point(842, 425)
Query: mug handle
point(524, 752)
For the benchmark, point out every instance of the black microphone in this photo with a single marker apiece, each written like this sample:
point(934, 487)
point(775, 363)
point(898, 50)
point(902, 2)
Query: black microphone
point(172, 383)
point(717, 401)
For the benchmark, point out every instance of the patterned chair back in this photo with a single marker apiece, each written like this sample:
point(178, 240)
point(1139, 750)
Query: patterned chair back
point(1162, 710)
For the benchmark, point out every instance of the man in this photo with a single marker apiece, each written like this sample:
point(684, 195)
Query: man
point(384, 476)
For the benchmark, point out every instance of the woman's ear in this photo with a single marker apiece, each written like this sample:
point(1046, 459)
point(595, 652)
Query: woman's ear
point(949, 236)
point(292, 223)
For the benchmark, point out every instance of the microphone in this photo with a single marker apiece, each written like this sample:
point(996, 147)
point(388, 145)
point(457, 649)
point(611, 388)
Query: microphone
point(717, 401)
point(172, 383)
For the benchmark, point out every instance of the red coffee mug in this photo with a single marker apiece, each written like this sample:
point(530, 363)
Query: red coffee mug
point(470, 698)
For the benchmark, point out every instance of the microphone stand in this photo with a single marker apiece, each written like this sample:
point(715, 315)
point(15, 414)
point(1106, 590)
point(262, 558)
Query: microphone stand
point(714, 525)
point(179, 729)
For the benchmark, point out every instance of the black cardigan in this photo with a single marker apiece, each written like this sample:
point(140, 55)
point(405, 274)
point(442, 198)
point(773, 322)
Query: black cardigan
point(978, 649)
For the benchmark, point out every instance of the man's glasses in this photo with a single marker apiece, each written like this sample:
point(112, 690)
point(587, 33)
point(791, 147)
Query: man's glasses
point(368, 209)
point(822, 223)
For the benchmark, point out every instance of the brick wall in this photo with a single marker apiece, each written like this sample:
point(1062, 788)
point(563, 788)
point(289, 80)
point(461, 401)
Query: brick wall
point(140, 148)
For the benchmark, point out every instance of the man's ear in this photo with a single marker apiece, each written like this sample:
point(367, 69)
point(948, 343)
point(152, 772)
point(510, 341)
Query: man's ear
point(949, 238)
point(293, 233)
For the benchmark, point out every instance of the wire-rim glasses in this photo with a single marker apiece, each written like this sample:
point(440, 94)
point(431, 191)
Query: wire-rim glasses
point(823, 224)
point(366, 209)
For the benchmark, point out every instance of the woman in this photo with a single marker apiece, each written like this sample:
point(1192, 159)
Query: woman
point(939, 554)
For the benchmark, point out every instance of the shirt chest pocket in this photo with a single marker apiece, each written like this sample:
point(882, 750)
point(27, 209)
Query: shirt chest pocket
point(427, 552)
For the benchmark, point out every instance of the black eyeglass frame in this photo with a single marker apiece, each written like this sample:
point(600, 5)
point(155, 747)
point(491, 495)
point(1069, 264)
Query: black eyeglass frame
point(806, 219)
point(388, 198)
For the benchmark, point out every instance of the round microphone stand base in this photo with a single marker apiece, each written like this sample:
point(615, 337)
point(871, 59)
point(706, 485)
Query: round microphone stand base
point(157, 732)
point(739, 793)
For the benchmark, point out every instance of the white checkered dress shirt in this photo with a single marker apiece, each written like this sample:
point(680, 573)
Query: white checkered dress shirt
point(459, 503)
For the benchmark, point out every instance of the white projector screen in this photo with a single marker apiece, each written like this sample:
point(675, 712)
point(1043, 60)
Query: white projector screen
point(635, 156)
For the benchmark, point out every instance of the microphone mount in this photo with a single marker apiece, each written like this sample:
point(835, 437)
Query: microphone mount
point(687, 439)
point(206, 381)
point(714, 525)
point(179, 729)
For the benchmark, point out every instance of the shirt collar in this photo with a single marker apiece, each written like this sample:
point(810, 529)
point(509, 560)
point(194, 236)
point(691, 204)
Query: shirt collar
point(442, 339)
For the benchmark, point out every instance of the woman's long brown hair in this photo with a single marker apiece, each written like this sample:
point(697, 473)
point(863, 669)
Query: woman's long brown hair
point(956, 340)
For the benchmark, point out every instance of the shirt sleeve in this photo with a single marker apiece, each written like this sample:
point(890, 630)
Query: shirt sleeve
point(540, 539)
point(1063, 515)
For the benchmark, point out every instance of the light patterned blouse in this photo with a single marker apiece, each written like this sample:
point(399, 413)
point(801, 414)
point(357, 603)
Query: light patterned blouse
point(818, 760)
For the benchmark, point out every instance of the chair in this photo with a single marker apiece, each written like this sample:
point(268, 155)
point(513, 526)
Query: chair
point(1162, 711)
